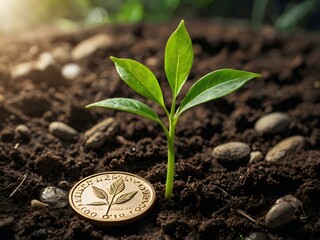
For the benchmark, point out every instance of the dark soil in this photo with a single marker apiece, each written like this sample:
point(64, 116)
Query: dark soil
point(207, 195)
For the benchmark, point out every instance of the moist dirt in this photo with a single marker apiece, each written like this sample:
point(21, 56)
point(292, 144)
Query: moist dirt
point(209, 198)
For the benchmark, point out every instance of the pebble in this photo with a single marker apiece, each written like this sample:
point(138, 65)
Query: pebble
point(64, 185)
point(62, 130)
point(23, 131)
point(61, 53)
point(256, 236)
point(290, 199)
point(88, 46)
point(96, 136)
point(70, 71)
point(272, 123)
point(152, 61)
point(45, 69)
point(286, 146)
point(54, 196)
point(37, 204)
point(4, 222)
point(283, 211)
point(255, 156)
point(232, 151)
point(22, 70)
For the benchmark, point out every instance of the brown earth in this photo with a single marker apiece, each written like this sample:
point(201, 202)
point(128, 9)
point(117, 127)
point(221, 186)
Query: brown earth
point(207, 196)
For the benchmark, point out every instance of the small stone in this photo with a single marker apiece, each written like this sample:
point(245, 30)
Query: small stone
point(33, 50)
point(290, 199)
point(70, 71)
point(54, 196)
point(23, 131)
point(37, 204)
point(272, 123)
point(287, 146)
point(256, 236)
point(96, 136)
point(232, 151)
point(48, 70)
point(5, 222)
point(61, 53)
point(88, 46)
point(45, 69)
point(62, 130)
point(255, 156)
point(152, 61)
point(280, 214)
point(22, 70)
point(64, 185)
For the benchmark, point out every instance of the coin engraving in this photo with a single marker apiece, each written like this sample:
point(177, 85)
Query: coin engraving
point(112, 197)
point(115, 188)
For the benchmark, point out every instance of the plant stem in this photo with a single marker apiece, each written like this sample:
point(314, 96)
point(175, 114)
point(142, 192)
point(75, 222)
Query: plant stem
point(171, 160)
point(171, 153)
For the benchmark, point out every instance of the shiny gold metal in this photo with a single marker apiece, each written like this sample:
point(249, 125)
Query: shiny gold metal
point(112, 198)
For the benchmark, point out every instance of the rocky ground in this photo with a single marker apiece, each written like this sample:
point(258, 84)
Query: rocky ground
point(247, 165)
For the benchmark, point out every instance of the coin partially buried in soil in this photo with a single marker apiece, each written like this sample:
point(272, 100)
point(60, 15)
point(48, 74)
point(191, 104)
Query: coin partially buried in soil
point(112, 198)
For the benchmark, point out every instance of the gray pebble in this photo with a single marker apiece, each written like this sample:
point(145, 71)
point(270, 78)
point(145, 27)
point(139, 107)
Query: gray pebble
point(62, 130)
point(255, 156)
point(272, 123)
point(64, 185)
point(290, 199)
point(71, 71)
point(280, 214)
point(37, 204)
point(88, 46)
point(256, 236)
point(54, 196)
point(287, 146)
point(45, 69)
point(232, 151)
point(23, 131)
point(96, 136)
point(22, 70)
point(62, 53)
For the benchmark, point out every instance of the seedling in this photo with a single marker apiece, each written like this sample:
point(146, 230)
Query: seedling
point(178, 59)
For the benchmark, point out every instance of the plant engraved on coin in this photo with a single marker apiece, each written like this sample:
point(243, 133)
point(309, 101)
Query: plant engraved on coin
point(115, 188)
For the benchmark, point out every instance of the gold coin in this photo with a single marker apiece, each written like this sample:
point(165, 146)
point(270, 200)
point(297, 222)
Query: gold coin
point(112, 198)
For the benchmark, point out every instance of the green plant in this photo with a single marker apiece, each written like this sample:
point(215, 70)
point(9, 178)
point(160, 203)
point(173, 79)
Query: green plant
point(178, 61)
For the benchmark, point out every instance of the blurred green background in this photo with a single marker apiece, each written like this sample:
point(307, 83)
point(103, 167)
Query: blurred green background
point(285, 15)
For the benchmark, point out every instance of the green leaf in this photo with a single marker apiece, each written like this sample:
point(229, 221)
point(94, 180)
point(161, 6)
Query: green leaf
point(178, 58)
point(139, 78)
point(214, 85)
point(296, 15)
point(128, 105)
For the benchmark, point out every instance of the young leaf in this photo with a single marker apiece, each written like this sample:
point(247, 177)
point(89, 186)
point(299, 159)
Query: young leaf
point(214, 85)
point(125, 197)
point(128, 105)
point(139, 78)
point(178, 58)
